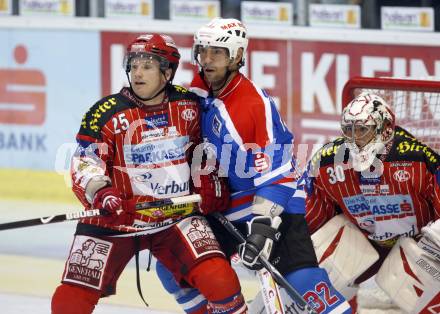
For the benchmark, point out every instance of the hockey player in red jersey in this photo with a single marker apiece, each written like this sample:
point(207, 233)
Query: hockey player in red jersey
point(373, 203)
point(134, 146)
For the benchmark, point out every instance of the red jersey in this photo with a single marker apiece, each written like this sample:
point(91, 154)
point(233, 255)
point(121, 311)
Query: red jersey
point(399, 202)
point(143, 149)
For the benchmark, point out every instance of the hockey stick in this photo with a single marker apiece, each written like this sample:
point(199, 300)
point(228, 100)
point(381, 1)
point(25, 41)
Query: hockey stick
point(97, 212)
point(279, 279)
point(270, 293)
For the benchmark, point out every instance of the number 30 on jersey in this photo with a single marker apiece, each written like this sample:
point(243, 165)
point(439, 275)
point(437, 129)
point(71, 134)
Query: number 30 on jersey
point(335, 174)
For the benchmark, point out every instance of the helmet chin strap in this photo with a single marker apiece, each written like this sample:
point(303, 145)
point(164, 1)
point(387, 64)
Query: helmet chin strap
point(147, 98)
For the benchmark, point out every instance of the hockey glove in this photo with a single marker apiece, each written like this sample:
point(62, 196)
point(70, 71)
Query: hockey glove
point(108, 199)
point(262, 232)
point(214, 192)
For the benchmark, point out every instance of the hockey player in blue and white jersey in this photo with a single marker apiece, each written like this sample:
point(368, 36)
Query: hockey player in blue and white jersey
point(253, 148)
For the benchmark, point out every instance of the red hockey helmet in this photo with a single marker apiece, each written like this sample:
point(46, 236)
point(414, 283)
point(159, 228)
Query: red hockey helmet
point(160, 47)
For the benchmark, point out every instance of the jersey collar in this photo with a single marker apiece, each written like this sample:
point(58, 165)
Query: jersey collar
point(125, 91)
point(231, 86)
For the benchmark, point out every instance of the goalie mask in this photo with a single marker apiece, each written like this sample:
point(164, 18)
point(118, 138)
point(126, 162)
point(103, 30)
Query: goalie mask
point(368, 125)
point(225, 33)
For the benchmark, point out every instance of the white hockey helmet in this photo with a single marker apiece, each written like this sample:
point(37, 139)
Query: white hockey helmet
point(227, 33)
point(369, 116)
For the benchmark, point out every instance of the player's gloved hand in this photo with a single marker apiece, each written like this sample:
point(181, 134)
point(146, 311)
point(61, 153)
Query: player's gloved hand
point(214, 192)
point(108, 199)
point(262, 232)
point(430, 240)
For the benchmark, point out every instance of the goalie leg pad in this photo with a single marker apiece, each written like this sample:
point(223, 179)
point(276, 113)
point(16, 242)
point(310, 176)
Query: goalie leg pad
point(430, 241)
point(70, 299)
point(410, 276)
point(344, 252)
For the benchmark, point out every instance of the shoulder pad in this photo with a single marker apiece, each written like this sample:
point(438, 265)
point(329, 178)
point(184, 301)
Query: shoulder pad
point(407, 147)
point(400, 132)
point(98, 115)
point(326, 154)
point(177, 92)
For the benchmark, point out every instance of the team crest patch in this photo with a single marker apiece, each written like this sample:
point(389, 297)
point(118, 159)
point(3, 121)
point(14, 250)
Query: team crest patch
point(188, 114)
point(87, 261)
point(216, 125)
point(401, 175)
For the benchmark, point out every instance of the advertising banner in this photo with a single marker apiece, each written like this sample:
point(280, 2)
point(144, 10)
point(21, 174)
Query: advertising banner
point(279, 13)
point(194, 11)
point(44, 91)
point(335, 15)
point(129, 9)
point(47, 7)
point(405, 18)
point(5, 7)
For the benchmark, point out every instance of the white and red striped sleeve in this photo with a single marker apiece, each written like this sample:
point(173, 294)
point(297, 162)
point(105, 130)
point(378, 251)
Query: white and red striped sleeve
point(92, 158)
point(319, 205)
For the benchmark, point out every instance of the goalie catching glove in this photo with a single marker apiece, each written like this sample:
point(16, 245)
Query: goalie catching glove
point(262, 232)
point(214, 192)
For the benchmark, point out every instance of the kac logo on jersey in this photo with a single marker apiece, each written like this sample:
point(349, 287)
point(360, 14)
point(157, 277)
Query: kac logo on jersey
point(401, 175)
point(188, 114)
point(157, 121)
